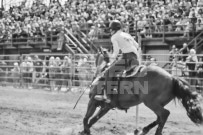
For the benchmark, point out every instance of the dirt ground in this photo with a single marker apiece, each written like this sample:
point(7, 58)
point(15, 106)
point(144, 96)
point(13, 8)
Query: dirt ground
point(40, 112)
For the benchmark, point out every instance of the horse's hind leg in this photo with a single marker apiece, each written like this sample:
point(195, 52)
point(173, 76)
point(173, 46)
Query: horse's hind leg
point(146, 129)
point(90, 111)
point(162, 115)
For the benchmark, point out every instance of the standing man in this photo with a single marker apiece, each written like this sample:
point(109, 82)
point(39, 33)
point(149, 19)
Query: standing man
point(184, 50)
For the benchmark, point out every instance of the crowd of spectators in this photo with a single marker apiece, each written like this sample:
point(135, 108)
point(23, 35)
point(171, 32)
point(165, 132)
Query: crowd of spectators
point(94, 16)
point(55, 73)
point(37, 21)
point(185, 62)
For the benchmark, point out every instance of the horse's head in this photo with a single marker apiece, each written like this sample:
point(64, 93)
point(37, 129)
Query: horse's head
point(102, 59)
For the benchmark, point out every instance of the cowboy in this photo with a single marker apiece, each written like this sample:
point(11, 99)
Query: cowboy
point(130, 57)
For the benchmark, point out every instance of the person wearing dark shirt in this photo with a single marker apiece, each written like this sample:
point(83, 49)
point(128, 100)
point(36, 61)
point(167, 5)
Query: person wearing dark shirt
point(184, 50)
point(37, 65)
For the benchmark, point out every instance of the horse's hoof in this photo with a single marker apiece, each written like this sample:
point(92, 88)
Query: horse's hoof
point(137, 132)
point(83, 133)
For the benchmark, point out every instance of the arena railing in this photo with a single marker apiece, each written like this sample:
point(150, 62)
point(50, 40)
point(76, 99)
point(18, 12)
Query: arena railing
point(147, 29)
point(26, 39)
point(102, 32)
point(79, 73)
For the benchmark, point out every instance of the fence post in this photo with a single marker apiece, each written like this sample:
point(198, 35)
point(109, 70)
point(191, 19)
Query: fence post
point(45, 38)
point(3, 49)
point(73, 71)
point(28, 40)
point(12, 39)
point(163, 30)
point(136, 30)
point(176, 59)
point(51, 38)
point(21, 76)
point(195, 44)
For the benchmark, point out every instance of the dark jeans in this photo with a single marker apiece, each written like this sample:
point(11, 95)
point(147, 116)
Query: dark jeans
point(124, 63)
point(127, 61)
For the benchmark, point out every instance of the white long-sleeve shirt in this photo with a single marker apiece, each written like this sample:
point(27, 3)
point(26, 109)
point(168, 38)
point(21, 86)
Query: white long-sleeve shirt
point(124, 42)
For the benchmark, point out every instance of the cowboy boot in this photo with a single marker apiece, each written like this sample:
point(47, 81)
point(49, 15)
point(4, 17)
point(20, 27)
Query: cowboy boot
point(106, 99)
point(102, 98)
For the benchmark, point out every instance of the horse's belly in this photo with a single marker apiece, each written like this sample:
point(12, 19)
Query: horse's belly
point(129, 100)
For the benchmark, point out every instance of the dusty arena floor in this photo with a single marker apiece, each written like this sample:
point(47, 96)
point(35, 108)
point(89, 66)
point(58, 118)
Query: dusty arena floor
point(40, 112)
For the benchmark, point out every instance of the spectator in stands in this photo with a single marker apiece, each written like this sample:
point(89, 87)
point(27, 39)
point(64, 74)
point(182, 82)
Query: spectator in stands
point(66, 68)
point(15, 74)
point(3, 72)
point(147, 62)
point(199, 85)
point(146, 32)
point(178, 67)
point(42, 80)
point(75, 28)
point(153, 62)
point(184, 50)
point(199, 25)
point(189, 28)
point(191, 63)
point(172, 53)
point(30, 70)
point(180, 24)
point(90, 68)
point(93, 34)
point(91, 11)
point(82, 71)
point(37, 62)
point(61, 39)
point(58, 73)
point(51, 68)
point(23, 68)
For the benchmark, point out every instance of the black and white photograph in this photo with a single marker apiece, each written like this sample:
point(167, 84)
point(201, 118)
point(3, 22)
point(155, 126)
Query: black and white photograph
point(101, 67)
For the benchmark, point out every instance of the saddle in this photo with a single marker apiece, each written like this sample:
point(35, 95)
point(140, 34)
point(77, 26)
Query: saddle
point(134, 71)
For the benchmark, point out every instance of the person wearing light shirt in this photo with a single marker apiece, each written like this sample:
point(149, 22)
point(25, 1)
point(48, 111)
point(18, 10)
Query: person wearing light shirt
point(130, 56)
point(124, 42)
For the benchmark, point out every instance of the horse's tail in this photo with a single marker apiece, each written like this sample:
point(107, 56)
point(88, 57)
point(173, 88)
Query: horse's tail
point(189, 99)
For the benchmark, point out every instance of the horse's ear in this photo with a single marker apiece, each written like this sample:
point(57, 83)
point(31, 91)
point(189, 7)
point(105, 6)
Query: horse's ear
point(99, 50)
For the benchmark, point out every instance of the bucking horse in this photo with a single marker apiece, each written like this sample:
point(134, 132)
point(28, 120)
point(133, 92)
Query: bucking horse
point(162, 88)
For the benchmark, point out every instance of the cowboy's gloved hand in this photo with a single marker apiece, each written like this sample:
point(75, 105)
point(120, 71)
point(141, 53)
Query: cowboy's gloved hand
point(108, 64)
point(111, 60)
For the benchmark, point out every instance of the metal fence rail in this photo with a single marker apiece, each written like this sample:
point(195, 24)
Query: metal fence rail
point(80, 70)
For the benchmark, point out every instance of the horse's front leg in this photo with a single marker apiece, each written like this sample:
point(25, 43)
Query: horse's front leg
point(92, 105)
point(101, 113)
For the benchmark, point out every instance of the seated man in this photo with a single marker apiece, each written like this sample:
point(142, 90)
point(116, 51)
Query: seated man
point(130, 55)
